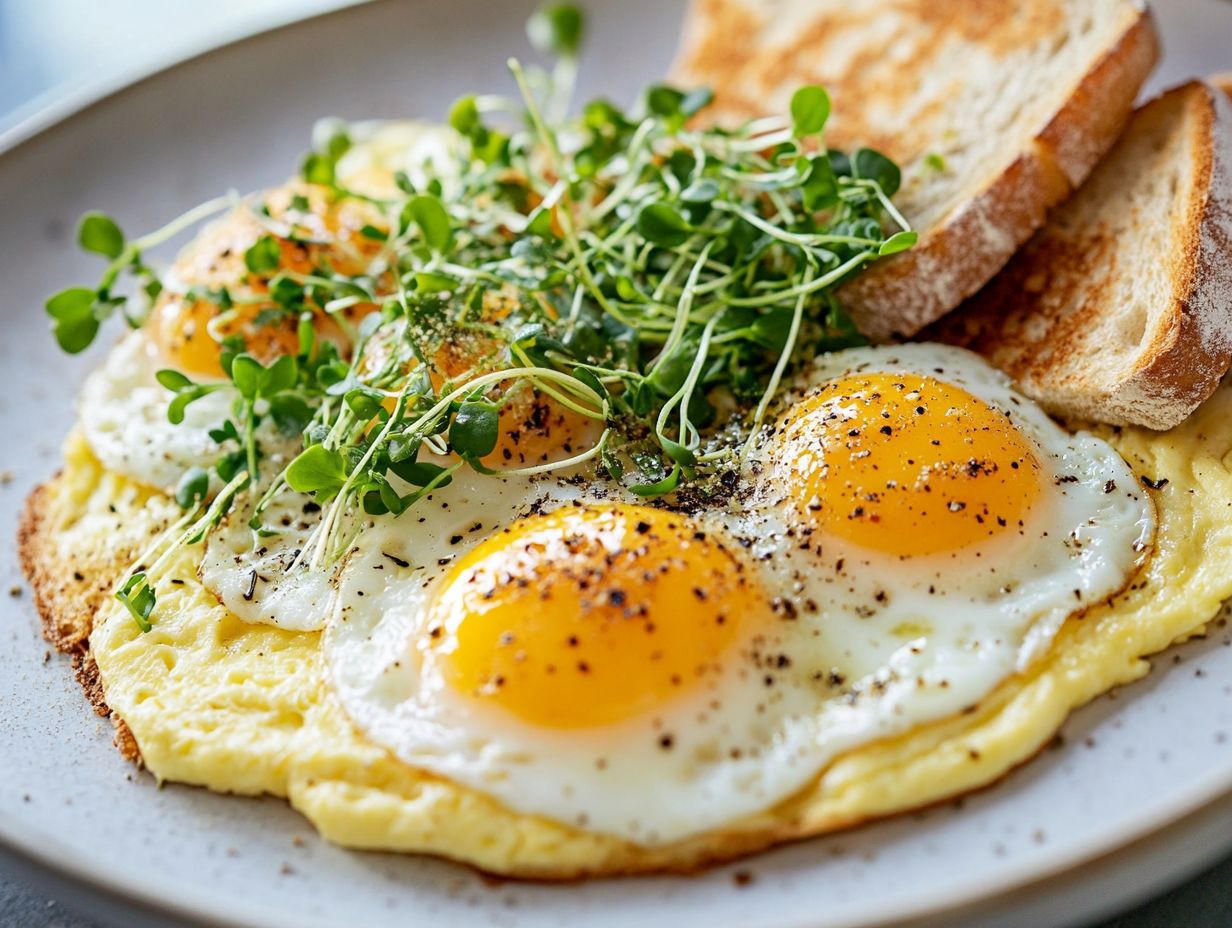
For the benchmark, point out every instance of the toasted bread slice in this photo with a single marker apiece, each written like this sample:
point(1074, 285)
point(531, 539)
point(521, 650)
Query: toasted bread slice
point(1120, 309)
point(995, 111)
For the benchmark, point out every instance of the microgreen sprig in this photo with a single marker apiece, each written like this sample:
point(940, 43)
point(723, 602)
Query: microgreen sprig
point(78, 312)
point(636, 267)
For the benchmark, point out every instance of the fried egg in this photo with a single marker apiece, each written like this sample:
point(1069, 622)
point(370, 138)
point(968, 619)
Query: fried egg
point(912, 533)
point(933, 527)
point(123, 412)
point(258, 575)
point(124, 409)
point(383, 148)
point(516, 675)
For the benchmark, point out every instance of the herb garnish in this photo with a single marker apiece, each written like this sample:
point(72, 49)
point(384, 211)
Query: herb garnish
point(637, 267)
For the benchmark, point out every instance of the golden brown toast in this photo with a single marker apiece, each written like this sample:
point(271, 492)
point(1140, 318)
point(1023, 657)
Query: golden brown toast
point(1120, 308)
point(996, 112)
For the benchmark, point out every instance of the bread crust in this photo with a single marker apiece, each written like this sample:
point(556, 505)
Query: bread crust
point(1186, 358)
point(961, 251)
point(896, 298)
point(1189, 360)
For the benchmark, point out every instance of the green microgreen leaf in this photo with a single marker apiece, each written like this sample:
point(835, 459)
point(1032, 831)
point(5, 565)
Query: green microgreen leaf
point(264, 255)
point(476, 429)
point(868, 164)
point(232, 347)
point(678, 453)
point(73, 318)
point(820, 187)
point(138, 598)
point(899, 241)
point(193, 488)
point(420, 473)
point(556, 29)
point(99, 233)
point(178, 406)
point(429, 282)
point(540, 223)
point(664, 101)
point(696, 100)
point(660, 487)
point(173, 380)
point(331, 142)
point(291, 413)
point(248, 376)
point(364, 402)
point(772, 328)
point(662, 224)
point(464, 116)
point(317, 169)
point(810, 108)
point(430, 215)
point(318, 471)
point(702, 190)
point(281, 375)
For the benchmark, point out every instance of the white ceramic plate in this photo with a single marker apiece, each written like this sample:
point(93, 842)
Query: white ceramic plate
point(1032, 850)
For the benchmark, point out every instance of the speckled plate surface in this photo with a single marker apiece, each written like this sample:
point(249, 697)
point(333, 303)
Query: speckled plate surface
point(1073, 834)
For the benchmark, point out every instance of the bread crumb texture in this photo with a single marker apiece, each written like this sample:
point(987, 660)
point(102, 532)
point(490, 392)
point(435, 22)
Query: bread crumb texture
point(1044, 90)
point(1120, 308)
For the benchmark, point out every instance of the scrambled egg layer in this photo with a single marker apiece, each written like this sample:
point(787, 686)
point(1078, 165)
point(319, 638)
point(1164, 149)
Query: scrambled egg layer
point(244, 708)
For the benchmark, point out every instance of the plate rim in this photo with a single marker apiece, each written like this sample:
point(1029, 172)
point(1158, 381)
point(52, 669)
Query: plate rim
point(63, 861)
point(55, 106)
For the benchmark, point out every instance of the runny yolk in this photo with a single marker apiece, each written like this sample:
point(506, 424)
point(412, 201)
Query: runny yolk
point(331, 241)
point(905, 465)
point(591, 616)
point(180, 327)
point(534, 428)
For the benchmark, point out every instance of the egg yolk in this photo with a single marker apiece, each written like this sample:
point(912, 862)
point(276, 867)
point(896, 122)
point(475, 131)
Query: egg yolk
point(180, 327)
point(591, 616)
point(907, 465)
point(326, 235)
point(536, 429)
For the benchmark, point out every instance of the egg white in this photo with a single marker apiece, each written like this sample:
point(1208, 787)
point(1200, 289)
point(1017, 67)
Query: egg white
point(861, 653)
point(617, 780)
point(816, 683)
point(259, 577)
point(917, 640)
point(382, 148)
point(123, 412)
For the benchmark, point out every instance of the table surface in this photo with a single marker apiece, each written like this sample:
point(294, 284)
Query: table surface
point(51, 48)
